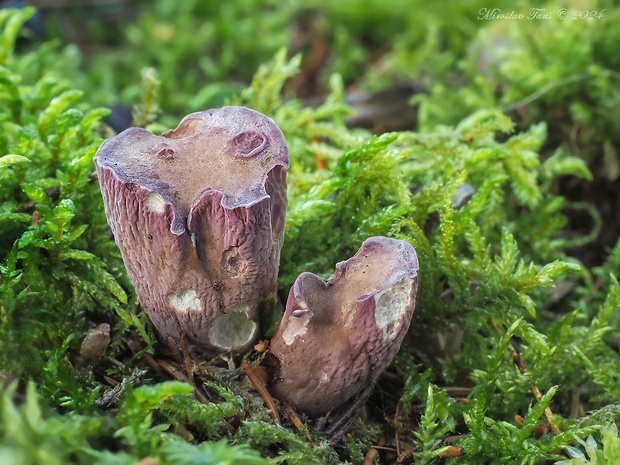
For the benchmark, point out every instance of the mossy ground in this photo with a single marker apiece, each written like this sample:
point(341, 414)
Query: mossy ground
point(389, 110)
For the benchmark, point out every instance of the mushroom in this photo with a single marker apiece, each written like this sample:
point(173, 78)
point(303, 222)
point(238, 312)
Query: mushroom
point(198, 214)
point(337, 337)
point(95, 343)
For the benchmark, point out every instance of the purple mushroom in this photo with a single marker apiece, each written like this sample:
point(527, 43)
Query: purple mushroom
point(198, 214)
point(337, 337)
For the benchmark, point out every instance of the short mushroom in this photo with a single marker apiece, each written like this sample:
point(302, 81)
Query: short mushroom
point(337, 337)
point(198, 214)
point(95, 343)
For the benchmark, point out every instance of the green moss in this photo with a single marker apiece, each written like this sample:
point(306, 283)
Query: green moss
point(488, 263)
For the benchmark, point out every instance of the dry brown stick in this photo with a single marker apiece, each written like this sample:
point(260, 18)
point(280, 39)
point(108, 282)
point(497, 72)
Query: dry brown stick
point(135, 347)
point(173, 371)
point(397, 428)
point(322, 421)
point(518, 360)
point(369, 459)
point(258, 385)
point(341, 425)
point(154, 365)
point(118, 363)
point(180, 375)
point(174, 348)
point(292, 414)
point(458, 391)
point(187, 361)
point(200, 395)
point(401, 457)
point(111, 381)
point(117, 391)
point(386, 448)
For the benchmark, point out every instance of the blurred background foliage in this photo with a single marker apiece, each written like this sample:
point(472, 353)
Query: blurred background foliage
point(490, 144)
point(404, 66)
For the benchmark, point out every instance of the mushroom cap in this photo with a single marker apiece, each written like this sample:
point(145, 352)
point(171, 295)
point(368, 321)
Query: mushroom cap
point(229, 150)
point(198, 214)
point(337, 337)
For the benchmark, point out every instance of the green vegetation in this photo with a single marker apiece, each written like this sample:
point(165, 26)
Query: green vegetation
point(512, 356)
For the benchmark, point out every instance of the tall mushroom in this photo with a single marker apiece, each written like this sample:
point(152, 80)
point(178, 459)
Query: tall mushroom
point(337, 337)
point(198, 214)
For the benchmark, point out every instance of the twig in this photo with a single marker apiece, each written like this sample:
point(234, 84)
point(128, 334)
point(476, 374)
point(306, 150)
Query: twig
point(397, 428)
point(370, 457)
point(340, 426)
point(458, 391)
point(119, 390)
point(199, 394)
point(154, 365)
point(386, 448)
point(187, 361)
point(401, 457)
point(258, 385)
point(111, 381)
point(174, 371)
point(135, 347)
point(292, 415)
point(518, 360)
point(322, 421)
point(118, 363)
point(175, 349)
